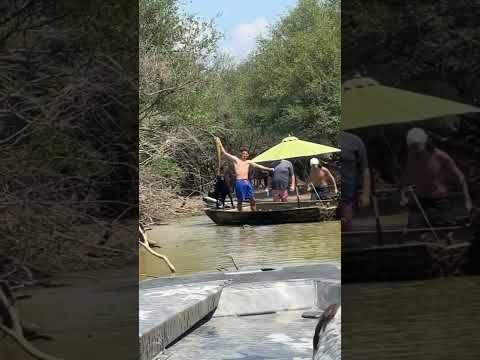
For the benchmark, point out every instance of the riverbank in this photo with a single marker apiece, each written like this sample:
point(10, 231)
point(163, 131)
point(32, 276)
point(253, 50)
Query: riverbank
point(103, 244)
point(94, 314)
point(161, 207)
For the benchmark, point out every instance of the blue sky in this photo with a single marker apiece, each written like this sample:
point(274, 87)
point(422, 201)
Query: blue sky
point(240, 20)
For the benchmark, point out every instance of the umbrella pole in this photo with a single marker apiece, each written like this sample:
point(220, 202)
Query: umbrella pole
point(375, 209)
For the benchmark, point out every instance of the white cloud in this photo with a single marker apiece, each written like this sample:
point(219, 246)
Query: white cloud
point(242, 40)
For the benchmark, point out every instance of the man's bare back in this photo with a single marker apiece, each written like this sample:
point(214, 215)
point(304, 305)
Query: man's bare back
point(430, 172)
point(318, 177)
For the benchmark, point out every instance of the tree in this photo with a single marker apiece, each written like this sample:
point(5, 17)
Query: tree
point(291, 85)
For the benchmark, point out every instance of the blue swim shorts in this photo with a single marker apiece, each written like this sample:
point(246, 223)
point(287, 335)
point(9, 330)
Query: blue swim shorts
point(243, 190)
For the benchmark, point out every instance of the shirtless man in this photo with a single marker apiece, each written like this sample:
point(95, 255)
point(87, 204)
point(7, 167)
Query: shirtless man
point(430, 170)
point(318, 181)
point(243, 187)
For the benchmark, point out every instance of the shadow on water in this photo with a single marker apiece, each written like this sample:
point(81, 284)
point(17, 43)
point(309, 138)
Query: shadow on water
point(197, 245)
point(433, 319)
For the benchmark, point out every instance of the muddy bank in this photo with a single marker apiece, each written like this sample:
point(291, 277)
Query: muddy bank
point(93, 317)
point(162, 207)
point(101, 245)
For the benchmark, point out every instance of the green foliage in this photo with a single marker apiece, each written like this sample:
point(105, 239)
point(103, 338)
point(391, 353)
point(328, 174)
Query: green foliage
point(291, 85)
point(175, 51)
point(189, 91)
point(430, 39)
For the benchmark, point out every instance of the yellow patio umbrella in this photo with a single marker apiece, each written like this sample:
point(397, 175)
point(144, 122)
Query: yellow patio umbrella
point(366, 103)
point(292, 147)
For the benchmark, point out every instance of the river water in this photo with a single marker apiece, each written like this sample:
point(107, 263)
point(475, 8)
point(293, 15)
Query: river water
point(197, 245)
point(437, 319)
point(434, 319)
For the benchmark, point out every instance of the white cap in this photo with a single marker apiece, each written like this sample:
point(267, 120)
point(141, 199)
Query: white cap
point(314, 161)
point(416, 135)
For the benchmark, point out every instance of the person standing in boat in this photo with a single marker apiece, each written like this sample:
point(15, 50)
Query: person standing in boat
point(283, 179)
point(355, 177)
point(243, 186)
point(430, 170)
point(318, 181)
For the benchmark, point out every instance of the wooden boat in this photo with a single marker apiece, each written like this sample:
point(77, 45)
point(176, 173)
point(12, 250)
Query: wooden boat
point(274, 213)
point(262, 194)
point(389, 202)
point(404, 254)
point(303, 198)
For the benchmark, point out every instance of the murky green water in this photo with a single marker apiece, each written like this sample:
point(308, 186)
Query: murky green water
point(196, 244)
point(434, 319)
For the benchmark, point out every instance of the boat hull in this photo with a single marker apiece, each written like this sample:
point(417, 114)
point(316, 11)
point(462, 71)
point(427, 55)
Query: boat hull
point(269, 216)
point(404, 254)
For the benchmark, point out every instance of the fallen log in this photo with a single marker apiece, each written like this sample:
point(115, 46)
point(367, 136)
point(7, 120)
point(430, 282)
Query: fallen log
point(12, 326)
point(143, 241)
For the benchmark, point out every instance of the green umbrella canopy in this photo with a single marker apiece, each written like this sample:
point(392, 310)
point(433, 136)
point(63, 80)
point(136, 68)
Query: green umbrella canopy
point(366, 103)
point(291, 147)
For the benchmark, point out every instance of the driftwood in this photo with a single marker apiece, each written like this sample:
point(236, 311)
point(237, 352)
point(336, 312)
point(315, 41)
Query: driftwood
point(233, 261)
point(12, 326)
point(143, 241)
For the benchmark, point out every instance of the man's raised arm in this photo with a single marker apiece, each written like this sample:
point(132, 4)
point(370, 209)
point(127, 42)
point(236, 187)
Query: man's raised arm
point(224, 152)
point(261, 167)
point(332, 179)
point(450, 163)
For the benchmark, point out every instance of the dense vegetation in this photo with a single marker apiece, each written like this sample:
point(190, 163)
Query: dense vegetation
point(190, 91)
point(429, 47)
point(67, 133)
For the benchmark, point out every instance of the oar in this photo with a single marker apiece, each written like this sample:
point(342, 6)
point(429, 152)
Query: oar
point(219, 154)
point(422, 210)
point(375, 208)
point(298, 196)
point(314, 189)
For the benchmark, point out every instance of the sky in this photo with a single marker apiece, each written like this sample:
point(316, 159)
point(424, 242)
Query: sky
point(241, 21)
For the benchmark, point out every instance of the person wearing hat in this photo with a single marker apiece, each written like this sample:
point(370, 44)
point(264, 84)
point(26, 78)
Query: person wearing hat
point(430, 171)
point(318, 181)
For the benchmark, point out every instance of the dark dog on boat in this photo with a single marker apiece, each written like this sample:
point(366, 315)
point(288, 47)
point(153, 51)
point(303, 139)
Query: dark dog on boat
point(222, 188)
point(326, 317)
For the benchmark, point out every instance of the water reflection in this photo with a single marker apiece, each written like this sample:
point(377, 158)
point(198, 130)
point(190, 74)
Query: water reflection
point(196, 244)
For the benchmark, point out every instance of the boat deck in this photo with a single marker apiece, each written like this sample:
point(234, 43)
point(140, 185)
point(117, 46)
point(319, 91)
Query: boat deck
point(259, 313)
point(284, 335)
point(330, 271)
